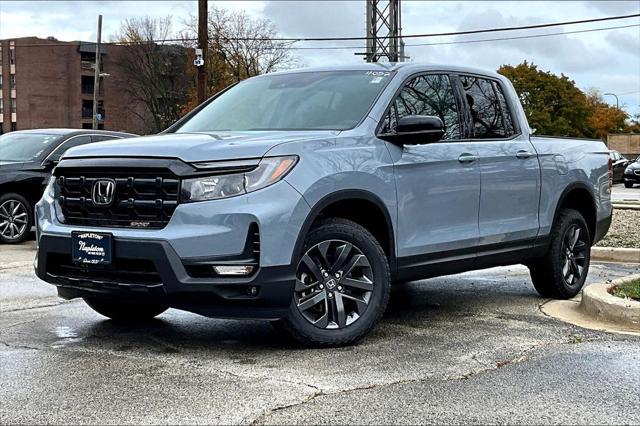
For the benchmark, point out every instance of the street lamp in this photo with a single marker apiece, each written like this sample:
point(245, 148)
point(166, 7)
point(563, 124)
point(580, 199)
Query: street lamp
point(615, 96)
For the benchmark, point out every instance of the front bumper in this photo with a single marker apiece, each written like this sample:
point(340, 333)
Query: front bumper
point(632, 178)
point(265, 294)
point(162, 261)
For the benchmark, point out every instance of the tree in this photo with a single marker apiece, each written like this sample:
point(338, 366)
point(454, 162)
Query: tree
point(604, 118)
point(157, 75)
point(241, 46)
point(553, 104)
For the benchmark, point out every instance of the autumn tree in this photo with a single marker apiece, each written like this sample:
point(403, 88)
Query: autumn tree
point(604, 118)
point(553, 104)
point(157, 74)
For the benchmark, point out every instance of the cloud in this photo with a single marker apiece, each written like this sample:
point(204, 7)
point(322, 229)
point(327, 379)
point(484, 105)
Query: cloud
point(608, 60)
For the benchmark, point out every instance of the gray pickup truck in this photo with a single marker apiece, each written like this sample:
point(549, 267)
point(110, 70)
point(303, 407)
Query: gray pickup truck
point(301, 196)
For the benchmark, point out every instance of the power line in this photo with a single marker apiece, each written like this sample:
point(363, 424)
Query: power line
point(303, 39)
point(463, 41)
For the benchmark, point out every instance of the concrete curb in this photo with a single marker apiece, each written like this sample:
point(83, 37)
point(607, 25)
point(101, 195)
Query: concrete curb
point(626, 206)
point(615, 254)
point(597, 302)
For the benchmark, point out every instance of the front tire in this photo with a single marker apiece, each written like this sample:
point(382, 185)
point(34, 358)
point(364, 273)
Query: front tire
point(561, 273)
point(342, 285)
point(16, 218)
point(122, 311)
point(628, 184)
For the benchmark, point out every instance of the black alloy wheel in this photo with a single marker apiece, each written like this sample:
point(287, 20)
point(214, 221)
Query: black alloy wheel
point(334, 283)
point(574, 249)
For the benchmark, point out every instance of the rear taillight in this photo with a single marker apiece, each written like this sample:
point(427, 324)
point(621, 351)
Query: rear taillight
point(610, 174)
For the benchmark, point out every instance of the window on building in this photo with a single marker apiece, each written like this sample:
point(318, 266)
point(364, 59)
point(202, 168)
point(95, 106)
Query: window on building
point(1, 129)
point(1, 106)
point(0, 75)
point(87, 109)
point(0, 57)
point(13, 105)
point(488, 111)
point(430, 94)
point(14, 126)
point(12, 81)
point(12, 56)
point(87, 85)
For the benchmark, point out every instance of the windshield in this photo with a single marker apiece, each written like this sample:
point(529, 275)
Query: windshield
point(24, 146)
point(334, 100)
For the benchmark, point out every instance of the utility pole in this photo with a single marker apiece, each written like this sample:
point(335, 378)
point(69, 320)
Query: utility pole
point(96, 76)
point(384, 31)
point(203, 36)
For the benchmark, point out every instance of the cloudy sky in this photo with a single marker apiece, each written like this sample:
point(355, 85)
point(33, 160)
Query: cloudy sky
point(607, 60)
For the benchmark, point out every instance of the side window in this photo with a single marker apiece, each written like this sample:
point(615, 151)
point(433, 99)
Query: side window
point(430, 94)
point(490, 116)
point(510, 129)
point(73, 142)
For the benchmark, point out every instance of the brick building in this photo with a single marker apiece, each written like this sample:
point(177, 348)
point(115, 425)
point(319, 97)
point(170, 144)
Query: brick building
point(49, 83)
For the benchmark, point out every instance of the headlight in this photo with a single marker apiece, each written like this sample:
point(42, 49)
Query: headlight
point(269, 171)
point(50, 190)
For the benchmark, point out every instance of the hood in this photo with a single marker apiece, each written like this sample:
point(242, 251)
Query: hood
point(9, 166)
point(634, 166)
point(192, 147)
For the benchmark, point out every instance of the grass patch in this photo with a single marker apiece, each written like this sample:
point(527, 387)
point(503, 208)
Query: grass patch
point(630, 289)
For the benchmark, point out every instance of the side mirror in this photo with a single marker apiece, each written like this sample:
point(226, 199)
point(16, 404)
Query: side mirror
point(416, 130)
point(50, 164)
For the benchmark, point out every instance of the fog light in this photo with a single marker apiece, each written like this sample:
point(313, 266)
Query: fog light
point(233, 270)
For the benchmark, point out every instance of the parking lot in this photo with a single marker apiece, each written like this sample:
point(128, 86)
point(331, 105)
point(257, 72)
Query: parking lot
point(470, 348)
point(620, 193)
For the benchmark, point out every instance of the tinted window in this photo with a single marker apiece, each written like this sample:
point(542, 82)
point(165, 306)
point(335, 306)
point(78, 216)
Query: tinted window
point(73, 142)
point(489, 112)
point(426, 95)
point(25, 146)
point(333, 100)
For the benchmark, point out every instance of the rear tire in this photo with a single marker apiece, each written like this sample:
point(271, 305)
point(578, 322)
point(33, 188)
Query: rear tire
point(561, 273)
point(628, 184)
point(122, 311)
point(343, 283)
point(16, 218)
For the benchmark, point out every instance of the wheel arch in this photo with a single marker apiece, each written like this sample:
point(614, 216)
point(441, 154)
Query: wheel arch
point(376, 218)
point(22, 189)
point(580, 197)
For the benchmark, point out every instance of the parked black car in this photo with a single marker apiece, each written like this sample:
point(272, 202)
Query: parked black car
point(27, 158)
point(619, 163)
point(632, 174)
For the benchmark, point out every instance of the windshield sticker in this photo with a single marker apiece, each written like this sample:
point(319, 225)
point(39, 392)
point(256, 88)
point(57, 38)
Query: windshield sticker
point(376, 80)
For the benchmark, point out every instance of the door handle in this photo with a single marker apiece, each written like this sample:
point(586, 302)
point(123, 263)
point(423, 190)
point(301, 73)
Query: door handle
point(467, 158)
point(523, 154)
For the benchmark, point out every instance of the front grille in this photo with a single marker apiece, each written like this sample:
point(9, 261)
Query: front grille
point(144, 198)
point(121, 271)
point(637, 172)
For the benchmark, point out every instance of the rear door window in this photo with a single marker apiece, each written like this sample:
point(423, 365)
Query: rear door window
point(490, 115)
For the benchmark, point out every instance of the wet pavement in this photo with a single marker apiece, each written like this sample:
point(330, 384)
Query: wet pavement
point(469, 348)
point(620, 193)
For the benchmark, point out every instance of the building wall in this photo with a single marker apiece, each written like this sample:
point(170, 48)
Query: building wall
point(48, 91)
point(628, 144)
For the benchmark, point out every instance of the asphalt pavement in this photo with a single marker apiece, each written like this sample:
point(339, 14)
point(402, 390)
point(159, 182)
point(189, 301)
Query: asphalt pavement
point(620, 193)
point(469, 348)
